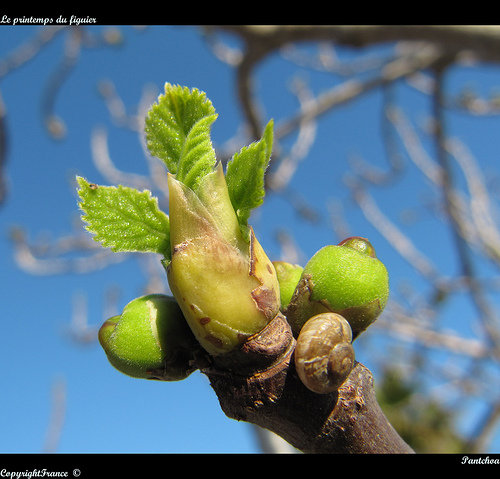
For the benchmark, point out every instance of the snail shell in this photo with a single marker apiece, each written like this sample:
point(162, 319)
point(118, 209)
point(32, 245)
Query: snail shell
point(324, 355)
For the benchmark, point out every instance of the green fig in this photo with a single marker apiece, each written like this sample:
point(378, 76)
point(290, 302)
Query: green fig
point(347, 279)
point(150, 340)
point(288, 277)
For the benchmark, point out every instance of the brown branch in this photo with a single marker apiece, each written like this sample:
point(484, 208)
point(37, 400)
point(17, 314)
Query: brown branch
point(482, 41)
point(452, 42)
point(54, 125)
point(267, 391)
point(351, 89)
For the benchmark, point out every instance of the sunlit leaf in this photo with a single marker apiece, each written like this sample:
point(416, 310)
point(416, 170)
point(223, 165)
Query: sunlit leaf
point(124, 219)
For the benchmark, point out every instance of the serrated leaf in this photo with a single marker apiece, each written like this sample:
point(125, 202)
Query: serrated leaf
point(178, 132)
point(124, 219)
point(245, 175)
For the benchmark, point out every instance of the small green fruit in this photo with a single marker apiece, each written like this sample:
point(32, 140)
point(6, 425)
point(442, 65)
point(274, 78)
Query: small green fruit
point(150, 339)
point(347, 279)
point(288, 278)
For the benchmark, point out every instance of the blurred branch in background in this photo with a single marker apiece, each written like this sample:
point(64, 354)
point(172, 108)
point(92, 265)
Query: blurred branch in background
point(57, 417)
point(75, 40)
point(421, 57)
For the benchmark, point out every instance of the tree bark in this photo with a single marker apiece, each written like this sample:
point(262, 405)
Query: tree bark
point(258, 384)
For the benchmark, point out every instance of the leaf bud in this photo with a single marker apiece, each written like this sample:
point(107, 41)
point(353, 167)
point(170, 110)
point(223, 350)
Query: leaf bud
point(288, 278)
point(225, 285)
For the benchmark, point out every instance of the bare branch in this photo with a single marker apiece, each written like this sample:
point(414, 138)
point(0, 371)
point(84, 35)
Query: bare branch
point(50, 258)
point(3, 150)
point(55, 126)
point(28, 50)
point(267, 391)
point(400, 242)
point(480, 42)
point(103, 162)
point(481, 215)
point(58, 416)
point(488, 317)
point(280, 177)
point(410, 328)
point(347, 91)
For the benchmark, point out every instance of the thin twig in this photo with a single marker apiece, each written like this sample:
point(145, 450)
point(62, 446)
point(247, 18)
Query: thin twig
point(57, 418)
point(489, 319)
point(351, 89)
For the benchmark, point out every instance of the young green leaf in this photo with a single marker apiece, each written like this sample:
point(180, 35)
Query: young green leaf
point(245, 175)
point(124, 219)
point(178, 133)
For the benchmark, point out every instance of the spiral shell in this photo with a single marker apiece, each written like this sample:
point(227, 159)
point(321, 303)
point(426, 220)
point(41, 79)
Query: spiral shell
point(324, 356)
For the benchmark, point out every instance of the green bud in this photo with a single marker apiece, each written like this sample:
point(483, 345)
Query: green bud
point(226, 286)
point(288, 278)
point(347, 279)
point(150, 339)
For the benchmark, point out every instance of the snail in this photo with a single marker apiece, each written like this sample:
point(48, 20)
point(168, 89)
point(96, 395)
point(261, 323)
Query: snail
point(324, 356)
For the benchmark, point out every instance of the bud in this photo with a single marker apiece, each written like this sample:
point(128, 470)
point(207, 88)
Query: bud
point(225, 285)
point(150, 340)
point(288, 278)
point(347, 279)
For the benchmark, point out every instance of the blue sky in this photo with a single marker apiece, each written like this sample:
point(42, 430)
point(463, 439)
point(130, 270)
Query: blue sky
point(107, 411)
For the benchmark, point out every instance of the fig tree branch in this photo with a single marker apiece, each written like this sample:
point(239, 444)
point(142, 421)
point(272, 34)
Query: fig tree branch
point(269, 393)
